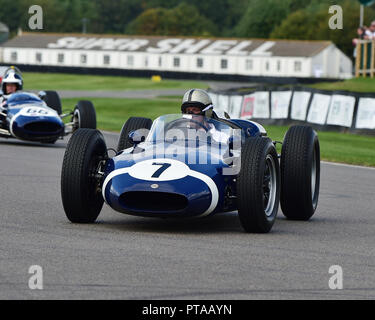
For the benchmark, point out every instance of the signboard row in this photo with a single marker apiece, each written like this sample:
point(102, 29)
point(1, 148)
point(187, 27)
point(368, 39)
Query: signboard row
point(345, 110)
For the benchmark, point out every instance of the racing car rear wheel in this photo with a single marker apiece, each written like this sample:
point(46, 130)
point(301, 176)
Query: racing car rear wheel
point(132, 124)
point(80, 177)
point(52, 100)
point(300, 173)
point(258, 185)
point(84, 115)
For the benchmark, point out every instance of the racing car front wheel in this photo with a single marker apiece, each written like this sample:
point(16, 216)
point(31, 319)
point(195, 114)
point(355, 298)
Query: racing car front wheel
point(84, 115)
point(300, 173)
point(258, 185)
point(52, 99)
point(132, 124)
point(80, 178)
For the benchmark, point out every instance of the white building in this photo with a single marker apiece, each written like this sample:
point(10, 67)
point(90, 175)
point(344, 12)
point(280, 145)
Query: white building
point(242, 57)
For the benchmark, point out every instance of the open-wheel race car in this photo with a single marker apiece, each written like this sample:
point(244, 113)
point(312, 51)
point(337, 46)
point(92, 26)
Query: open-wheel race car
point(38, 117)
point(192, 166)
point(32, 117)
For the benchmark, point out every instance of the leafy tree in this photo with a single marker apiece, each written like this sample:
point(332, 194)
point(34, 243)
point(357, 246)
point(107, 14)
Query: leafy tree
point(12, 13)
point(112, 16)
point(311, 23)
point(234, 13)
point(260, 18)
point(224, 14)
point(181, 20)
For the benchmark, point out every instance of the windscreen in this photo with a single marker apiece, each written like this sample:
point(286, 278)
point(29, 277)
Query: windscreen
point(182, 127)
point(17, 99)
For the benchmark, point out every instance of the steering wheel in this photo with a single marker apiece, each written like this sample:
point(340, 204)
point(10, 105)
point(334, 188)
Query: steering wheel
point(178, 121)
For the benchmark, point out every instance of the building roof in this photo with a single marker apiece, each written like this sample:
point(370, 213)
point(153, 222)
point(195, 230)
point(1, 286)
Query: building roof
point(173, 45)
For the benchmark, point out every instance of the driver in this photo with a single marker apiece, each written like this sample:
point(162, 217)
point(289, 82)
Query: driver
point(198, 104)
point(11, 83)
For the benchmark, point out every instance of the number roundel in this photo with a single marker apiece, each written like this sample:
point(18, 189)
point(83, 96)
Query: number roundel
point(35, 112)
point(159, 170)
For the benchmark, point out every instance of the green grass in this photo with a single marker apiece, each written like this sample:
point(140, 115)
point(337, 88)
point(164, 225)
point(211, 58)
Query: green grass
point(112, 113)
point(355, 84)
point(60, 81)
point(337, 147)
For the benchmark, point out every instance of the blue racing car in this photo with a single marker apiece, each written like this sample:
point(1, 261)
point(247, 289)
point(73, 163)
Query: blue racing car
point(183, 165)
point(32, 117)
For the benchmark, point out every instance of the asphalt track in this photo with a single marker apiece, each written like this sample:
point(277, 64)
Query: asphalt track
point(125, 257)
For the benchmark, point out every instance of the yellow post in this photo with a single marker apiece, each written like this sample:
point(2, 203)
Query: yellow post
point(358, 59)
point(156, 78)
point(365, 59)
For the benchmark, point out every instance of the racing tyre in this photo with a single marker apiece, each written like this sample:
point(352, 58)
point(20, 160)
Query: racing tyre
point(84, 115)
point(258, 185)
point(132, 124)
point(80, 185)
point(300, 173)
point(52, 100)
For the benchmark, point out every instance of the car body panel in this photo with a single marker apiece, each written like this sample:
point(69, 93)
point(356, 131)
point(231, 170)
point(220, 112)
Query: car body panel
point(29, 118)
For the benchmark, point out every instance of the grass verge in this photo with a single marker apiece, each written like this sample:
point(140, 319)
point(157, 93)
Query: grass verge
point(355, 84)
point(337, 147)
point(61, 81)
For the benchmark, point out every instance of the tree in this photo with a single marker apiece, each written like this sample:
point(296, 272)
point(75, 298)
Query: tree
point(260, 18)
point(113, 16)
point(12, 13)
point(181, 20)
point(311, 23)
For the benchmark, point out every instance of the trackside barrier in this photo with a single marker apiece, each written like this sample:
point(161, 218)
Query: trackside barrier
point(322, 109)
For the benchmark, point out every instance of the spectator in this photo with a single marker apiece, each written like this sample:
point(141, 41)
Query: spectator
point(362, 34)
point(361, 31)
point(370, 32)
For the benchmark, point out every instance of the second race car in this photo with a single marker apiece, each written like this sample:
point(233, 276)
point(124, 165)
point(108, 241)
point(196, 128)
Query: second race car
point(39, 117)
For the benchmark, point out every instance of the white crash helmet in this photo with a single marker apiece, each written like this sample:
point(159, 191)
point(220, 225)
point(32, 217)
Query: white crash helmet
point(12, 77)
point(196, 98)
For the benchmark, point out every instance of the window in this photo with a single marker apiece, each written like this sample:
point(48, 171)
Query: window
point(83, 58)
point(130, 60)
point(13, 56)
point(176, 62)
point(200, 62)
point(60, 58)
point(278, 65)
point(38, 57)
point(267, 65)
point(297, 66)
point(106, 59)
point(249, 64)
point(224, 63)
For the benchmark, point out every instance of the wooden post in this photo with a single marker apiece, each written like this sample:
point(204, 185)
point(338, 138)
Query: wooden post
point(358, 59)
point(364, 70)
point(372, 58)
